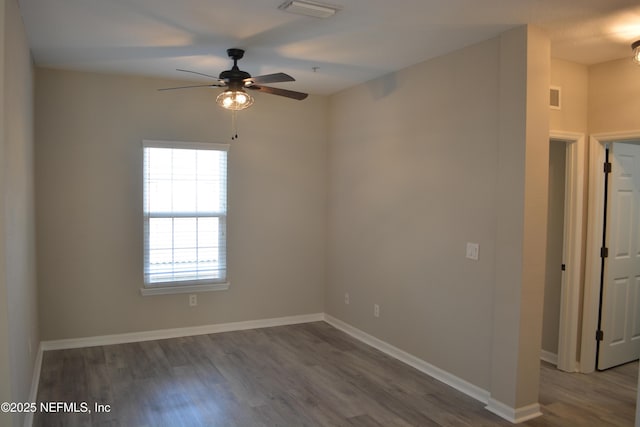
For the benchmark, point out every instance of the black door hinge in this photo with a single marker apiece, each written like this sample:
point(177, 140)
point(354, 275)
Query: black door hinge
point(607, 167)
point(563, 267)
point(599, 335)
point(604, 252)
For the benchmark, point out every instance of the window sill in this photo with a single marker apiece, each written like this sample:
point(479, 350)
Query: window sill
point(183, 289)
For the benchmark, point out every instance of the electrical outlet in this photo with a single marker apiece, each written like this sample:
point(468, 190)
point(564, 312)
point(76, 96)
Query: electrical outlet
point(376, 310)
point(193, 300)
point(346, 298)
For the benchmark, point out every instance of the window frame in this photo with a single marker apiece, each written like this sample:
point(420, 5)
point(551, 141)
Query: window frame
point(182, 286)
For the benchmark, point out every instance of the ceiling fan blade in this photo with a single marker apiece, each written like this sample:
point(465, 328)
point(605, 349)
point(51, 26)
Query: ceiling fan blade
point(277, 91)
point(186, 87)
point(195, 72)
point(270, 78)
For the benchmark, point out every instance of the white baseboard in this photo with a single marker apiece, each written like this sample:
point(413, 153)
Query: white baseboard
point(547, 356)
point(178, 332)
point(425, 367)
point(515, 415)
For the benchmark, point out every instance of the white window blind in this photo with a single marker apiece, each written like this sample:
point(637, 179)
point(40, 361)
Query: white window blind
point(185, 213)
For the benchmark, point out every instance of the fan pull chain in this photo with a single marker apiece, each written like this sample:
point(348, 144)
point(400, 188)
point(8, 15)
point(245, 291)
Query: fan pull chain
point(234, 125)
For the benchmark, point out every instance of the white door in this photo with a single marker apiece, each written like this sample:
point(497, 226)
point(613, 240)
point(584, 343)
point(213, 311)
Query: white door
point(621, 293)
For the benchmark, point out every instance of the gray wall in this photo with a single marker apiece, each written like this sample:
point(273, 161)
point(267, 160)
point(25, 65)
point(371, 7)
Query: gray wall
point(422, 161)
point(412, 179)
point(89, 129)
point(5, 369)
point(573, 80)
point(614, 96)
point(18, 307)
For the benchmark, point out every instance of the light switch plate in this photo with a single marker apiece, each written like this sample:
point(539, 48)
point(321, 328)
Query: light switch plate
point(473, 251)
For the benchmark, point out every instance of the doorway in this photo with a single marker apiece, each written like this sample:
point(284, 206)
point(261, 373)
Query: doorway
point(555, 266)
point(572, 242)
point(595, 232)
point(618, 333)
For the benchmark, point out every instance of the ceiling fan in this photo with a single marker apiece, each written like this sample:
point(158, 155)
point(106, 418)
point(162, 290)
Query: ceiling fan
point(236, 81)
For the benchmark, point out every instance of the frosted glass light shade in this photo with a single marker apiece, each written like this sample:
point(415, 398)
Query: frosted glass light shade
point(234, 100)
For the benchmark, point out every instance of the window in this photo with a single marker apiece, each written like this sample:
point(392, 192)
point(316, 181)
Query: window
point(185, 217)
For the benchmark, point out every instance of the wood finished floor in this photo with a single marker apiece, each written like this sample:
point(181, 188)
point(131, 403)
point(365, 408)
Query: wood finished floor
point(302, 375)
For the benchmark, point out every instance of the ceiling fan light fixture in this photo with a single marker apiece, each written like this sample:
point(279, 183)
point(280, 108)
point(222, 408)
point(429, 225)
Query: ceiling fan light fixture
point(234, 100)
point(636, 51)
point(307, 8)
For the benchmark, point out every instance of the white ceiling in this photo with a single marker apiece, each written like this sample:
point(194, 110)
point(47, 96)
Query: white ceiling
point(364, 40)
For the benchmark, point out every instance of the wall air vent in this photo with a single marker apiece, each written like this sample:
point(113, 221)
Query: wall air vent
point(308, 8)
point(554, 97)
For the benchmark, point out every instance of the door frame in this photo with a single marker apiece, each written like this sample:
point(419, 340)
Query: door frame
point(597, 143)
point(572, 249)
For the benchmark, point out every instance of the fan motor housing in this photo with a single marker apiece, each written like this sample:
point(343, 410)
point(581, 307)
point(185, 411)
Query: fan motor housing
point(235, 77)
point(234, 74)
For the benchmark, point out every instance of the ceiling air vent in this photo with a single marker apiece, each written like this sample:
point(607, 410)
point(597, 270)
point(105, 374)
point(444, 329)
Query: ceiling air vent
point(554, 97)
point(308, 8)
